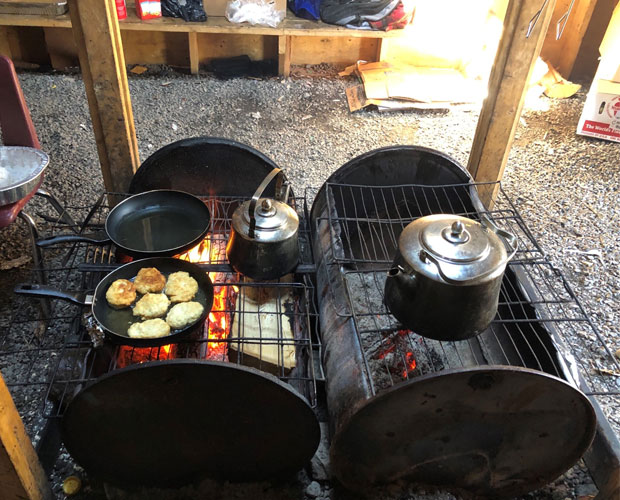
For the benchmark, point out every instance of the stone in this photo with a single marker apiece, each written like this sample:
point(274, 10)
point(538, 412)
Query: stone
point(320, 460)
point(586, 490)
point(313, 490)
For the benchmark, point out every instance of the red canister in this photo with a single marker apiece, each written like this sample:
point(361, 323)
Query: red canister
point(121, 9)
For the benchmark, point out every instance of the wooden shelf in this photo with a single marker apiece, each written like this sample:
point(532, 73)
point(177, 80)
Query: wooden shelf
point(291, 26)
point(290, 29)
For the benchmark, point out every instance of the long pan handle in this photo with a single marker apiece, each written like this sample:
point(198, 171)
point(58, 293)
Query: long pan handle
point(95, 238)
point(41, 291)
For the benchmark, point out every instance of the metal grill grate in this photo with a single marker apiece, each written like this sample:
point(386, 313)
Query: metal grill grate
point(57, 361)
point(540, 324)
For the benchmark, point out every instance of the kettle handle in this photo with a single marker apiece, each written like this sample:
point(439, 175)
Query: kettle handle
point(508, 238)
point(259, 191)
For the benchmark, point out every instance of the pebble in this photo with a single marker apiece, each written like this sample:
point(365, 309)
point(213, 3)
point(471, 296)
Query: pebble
point(313, 490)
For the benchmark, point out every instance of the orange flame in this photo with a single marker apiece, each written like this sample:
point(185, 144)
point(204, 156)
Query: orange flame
point(218, 324)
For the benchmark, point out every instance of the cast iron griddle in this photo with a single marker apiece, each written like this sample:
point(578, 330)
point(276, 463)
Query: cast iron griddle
point(170, 423)
point(493, 431)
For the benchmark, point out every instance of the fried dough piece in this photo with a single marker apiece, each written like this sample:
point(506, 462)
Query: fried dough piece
point(120, 294)
point(149, 329)
point(184, 314)
point(149, 280)
point(151, 305)
point(181, 287)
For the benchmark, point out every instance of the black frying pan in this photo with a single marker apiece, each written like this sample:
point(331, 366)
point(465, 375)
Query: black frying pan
point(116, 322)
point(157, 223)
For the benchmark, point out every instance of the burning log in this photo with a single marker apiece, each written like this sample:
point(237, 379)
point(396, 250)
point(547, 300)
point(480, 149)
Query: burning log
point(262, 333)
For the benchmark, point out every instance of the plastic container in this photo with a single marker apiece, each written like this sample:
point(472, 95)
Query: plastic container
point(121, 9)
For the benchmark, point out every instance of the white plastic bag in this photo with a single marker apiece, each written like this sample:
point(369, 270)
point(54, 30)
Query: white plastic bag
point(254, 12)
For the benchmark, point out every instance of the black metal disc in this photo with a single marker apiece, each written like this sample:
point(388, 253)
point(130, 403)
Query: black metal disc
point(169, 423)
point(493, 431)
point(204, 166)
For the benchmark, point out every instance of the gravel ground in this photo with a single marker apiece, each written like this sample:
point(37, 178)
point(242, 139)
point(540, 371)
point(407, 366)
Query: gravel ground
point(566, 187)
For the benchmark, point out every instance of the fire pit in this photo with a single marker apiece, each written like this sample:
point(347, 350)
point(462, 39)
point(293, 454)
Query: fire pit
point(225, 403)
point(500, 414)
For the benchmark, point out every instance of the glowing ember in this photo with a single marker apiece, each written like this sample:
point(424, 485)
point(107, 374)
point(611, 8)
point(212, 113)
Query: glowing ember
point(128, 355)
point(410, 364)
point(386, 351)
point(395, 355)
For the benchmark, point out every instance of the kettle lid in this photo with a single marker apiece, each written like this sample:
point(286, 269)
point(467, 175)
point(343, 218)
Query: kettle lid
point(270, 215)
point(463, 249)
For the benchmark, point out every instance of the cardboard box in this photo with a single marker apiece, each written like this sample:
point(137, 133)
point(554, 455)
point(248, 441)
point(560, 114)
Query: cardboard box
point(601, 113)
point(217, 8)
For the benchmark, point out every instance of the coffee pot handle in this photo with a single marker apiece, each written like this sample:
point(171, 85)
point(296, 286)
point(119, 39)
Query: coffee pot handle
point(509, 239)
point(259, 191)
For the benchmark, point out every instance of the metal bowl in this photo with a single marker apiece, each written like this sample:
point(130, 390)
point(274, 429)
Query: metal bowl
point(20, 170)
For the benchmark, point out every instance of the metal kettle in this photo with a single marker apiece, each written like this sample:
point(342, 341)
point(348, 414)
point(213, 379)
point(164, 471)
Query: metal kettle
point(263, 243)
point(446, 277)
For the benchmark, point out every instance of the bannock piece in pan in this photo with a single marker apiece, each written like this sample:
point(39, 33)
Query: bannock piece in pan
point(184, 314)
point(149, 329)
point(150, 280)
point(151, 305)
point(181, 287)
point(120, 294)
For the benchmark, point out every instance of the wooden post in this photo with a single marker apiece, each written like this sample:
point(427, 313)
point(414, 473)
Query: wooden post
point(97, 36)
point(284, 55)
point(499, 117)
point(562, 53)
point(194, 56)
point(21, 474)
point(381, 49)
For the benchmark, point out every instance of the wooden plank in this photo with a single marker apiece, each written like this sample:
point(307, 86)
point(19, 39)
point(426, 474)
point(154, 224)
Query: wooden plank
point(194, 56)
point(32, 20)
point(30, 1)
point(290, 26)
point(381, 49)
point(97, 35)
point(155, 47)
point(5, 42)
point(562, 53)
point(508, 83)
point(284, 55)
point(21, 474)
point(340, 51)
point(219, 45)
point(586, 63)
point(61, 47)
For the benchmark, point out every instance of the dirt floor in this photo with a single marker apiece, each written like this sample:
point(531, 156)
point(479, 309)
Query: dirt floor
point(566, 187)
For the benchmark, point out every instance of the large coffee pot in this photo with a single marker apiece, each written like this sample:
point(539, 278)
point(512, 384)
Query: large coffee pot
point(445, 280)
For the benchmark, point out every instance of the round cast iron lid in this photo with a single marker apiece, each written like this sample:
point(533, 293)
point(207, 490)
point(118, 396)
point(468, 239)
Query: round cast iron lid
point(168, 423)
point(493, 431)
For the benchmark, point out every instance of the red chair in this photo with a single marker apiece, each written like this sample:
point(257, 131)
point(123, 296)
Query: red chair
point(17, 129)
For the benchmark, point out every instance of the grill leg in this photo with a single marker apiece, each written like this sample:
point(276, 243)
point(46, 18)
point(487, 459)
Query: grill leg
point(62, 212)
point(44, 304)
